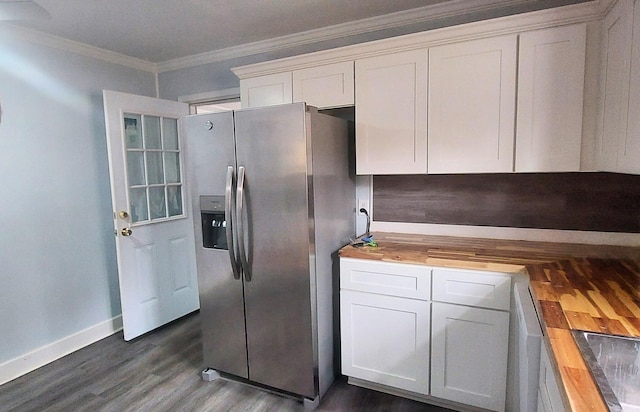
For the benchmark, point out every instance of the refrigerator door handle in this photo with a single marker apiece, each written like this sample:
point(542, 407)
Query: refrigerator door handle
point(228, 212)
point(240, 224)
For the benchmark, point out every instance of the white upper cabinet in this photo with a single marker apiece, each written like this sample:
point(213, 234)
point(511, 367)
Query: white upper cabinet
point(629, 148)
point(472, 97)
point(326, 86)
point(391, 133)
point(266, 90)
point(497, 96)
point(550, 99)
point(617, 40)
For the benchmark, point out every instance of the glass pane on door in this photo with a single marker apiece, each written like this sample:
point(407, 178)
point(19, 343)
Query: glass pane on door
point(172, 164)
point(154, 167)
point(133, 134)
point(135, 168)
point(157, 202)
point(153, 158)
point(138, 204)
point(170, 133)
point(152, 132)
point(174, 200)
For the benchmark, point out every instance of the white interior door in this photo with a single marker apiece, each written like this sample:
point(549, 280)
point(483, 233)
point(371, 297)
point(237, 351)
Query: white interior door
point(151, 211)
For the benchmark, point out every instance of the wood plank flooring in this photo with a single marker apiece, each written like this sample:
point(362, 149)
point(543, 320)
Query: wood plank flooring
point(161, 372)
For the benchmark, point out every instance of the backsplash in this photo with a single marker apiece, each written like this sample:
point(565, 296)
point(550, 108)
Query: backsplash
point(602, 202)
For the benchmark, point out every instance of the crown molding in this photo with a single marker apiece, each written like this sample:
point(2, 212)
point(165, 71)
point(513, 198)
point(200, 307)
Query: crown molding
point(581, 12)
point(425, 14)
point(571, 14)
point(34, 36)
point(606, 5)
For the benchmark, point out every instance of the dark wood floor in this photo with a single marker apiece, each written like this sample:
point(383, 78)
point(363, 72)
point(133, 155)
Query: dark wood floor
point(161, 372)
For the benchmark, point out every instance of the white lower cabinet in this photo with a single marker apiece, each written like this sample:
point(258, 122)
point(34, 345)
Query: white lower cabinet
point(446, 342)
point(469, 349)
point(385, 339)
point(470, 337)
point(549, 398)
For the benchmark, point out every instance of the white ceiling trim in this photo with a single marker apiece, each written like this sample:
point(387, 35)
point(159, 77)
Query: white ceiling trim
point(541, 19)
point(33, 36)
point(413, 16)
point(388, 21)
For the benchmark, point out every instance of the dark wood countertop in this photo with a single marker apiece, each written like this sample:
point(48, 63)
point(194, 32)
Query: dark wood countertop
point(575, 286)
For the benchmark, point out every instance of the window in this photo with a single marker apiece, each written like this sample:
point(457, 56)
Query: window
point(216, 106)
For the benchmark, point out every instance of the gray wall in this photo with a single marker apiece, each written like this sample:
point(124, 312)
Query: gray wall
point(57, 251)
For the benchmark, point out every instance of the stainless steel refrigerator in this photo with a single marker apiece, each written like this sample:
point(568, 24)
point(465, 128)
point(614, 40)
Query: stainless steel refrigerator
point(274, 199)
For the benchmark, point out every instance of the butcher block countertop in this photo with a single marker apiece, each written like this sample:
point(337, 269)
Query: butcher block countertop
point(588, 287)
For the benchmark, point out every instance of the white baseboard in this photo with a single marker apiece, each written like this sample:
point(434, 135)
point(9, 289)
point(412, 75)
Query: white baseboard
point(56, 350)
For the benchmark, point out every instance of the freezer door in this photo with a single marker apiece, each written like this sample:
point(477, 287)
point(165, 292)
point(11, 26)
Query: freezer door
point(271, 145)
point(211, 150)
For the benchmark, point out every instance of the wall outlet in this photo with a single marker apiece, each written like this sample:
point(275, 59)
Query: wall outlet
point(363, 204)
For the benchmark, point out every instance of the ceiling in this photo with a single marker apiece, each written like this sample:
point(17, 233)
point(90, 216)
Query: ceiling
point(163, 30)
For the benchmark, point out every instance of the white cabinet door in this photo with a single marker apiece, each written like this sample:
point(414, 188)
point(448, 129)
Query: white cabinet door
point(550, 90)
point(617, 30)
point(472, 97)
point(266, 90)
point(327, 86)
point(385, 339)
point(469, 349)
point(391, 134)
point(629, 150)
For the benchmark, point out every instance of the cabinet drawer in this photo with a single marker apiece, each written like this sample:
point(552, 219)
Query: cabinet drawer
point(482, 289)
point(393, 279)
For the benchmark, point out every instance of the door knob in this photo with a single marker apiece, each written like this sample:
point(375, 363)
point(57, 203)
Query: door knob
point(123, 214)
point(126, 231)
